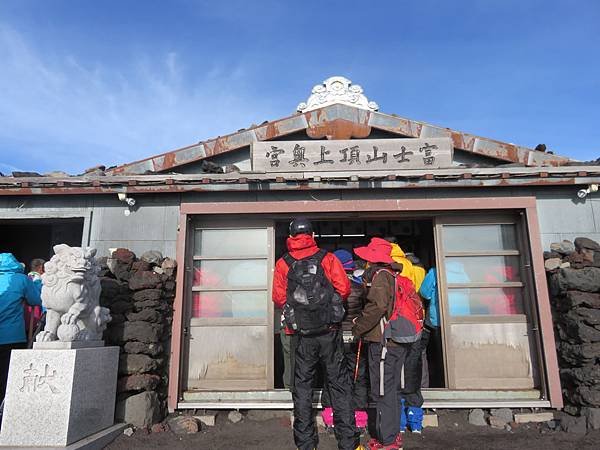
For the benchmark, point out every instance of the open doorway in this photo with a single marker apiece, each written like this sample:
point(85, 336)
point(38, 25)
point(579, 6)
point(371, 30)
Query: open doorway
point(28, 239)
point(414, 236)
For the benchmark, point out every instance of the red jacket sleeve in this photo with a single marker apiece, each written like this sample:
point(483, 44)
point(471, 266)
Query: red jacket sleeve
point(337, 275)
point(279, 291)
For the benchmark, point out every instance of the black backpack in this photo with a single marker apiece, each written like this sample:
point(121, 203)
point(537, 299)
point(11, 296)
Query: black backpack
point(312, 304)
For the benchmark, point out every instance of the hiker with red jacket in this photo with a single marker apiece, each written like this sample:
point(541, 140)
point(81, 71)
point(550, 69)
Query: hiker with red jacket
point(310, 284)
point(386, 356)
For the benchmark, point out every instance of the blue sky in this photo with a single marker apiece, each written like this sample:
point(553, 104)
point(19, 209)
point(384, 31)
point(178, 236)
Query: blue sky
point(107, 82)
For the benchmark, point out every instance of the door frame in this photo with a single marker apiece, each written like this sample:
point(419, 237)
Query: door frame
point(525, 204)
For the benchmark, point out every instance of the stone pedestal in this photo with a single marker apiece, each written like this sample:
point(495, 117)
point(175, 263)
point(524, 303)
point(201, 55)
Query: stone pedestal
point(56, 397)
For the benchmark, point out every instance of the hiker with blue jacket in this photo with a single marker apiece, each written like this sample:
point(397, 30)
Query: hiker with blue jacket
point(15, 287)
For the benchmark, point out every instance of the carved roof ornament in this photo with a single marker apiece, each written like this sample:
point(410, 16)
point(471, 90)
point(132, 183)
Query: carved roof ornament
point(337, 90)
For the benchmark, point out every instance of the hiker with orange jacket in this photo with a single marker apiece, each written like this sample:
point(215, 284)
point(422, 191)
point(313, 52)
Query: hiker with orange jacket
point(309, 284)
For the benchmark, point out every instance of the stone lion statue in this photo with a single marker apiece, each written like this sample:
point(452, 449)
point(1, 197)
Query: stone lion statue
point(71, 294)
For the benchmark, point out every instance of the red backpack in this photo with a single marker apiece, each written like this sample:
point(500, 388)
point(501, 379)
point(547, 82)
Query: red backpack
point(406, 321)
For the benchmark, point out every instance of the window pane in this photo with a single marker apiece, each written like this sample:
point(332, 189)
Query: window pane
point(487, 301)
point(482, 269)
point(236, 304)
point(246, 242)
point(472, 238)
point(236, 273)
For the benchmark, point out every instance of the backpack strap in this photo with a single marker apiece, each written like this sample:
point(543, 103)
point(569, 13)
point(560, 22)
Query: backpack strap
point(320, 255)
point(289, 259)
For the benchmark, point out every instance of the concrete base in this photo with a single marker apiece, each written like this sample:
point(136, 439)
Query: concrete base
point(55, 398)
point(96, 441)
point(59, 345)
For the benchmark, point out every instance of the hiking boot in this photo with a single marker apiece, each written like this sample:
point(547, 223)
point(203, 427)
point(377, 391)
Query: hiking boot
point(361, 419)
point(327, 415)
point(374, 444)
point(414, 419)
point(398, 441)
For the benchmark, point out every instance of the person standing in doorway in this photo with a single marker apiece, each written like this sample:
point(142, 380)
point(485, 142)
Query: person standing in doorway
point(310, 284)
point(34, 314)
point(354, 348)
point(14, 287)
point(386, 359)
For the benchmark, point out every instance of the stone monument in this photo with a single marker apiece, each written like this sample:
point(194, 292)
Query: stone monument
point(64, 389)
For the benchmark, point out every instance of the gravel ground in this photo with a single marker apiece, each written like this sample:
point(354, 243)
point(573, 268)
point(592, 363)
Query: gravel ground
point(453, 433)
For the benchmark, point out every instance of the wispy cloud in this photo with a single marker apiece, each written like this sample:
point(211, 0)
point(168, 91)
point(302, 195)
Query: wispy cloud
point(61, 113)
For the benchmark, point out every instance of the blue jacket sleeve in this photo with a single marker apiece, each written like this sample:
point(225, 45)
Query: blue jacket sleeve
point(33, 292)
point(428, 287)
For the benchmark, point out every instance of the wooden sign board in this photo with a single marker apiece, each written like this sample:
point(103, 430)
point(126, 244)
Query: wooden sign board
point(351, 155)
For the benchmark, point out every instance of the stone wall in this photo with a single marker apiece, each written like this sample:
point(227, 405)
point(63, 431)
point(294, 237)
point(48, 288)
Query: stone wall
point(574, 277)
point(140, 293)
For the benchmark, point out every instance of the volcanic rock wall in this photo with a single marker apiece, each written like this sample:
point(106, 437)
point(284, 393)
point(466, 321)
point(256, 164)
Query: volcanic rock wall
point(574, 278)
point(140, 293)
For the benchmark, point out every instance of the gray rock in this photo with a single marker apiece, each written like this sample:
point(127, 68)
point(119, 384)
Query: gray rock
point(498, 423)
point(548, 255)
point(141, 347)
point(140, 410)
point(593, 417)
point(146, 279)
point(577, 298)
point(588, 315)
point(563, 248)
point(136, 363)
point(56, 174)
point(477, 417)
point(135, 331)
point(586, 279)
point(573, 424)
point(184, 425)
point(504, 413)
point(111, 288)
point(552, 263)
point(588, 374)
point(574, 330)
point(235, 416)
point(583, 242)
point(147, 294)
point(153, 257)
point(207, 419)
point(139, 382)
point(145, 315)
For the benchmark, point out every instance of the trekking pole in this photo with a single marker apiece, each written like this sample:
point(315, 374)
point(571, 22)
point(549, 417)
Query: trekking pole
point(357, 359)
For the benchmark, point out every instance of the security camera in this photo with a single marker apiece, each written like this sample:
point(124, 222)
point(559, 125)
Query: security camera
point(130, 201)
point(582, 193)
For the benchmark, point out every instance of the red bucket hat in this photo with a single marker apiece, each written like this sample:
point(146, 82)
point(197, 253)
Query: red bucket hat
point(378, 251)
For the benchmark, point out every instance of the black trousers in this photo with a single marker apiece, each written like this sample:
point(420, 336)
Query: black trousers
point(326, 350)
point(413, 369)
point(387, 419)
point(5, 350)
point(360, 387)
